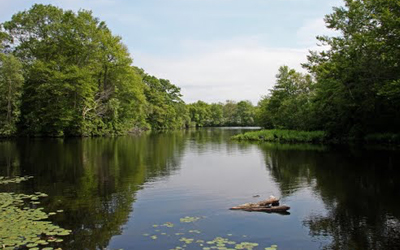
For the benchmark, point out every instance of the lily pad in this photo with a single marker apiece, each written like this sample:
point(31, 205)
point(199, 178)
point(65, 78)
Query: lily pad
point(21, 225)
point(189, 219)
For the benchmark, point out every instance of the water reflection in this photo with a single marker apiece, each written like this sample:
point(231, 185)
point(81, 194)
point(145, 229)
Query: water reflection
point(341, 198)
point(93, 180)
point(359, 187)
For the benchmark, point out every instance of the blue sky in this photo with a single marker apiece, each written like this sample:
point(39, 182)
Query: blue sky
point(214, 50)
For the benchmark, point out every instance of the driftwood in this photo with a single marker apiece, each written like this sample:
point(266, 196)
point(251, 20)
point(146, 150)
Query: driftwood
point(277, 209)
point(271, 205)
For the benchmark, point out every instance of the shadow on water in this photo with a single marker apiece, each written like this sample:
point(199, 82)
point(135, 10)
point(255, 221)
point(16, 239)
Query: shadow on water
point(93, 180)
point(358, 186)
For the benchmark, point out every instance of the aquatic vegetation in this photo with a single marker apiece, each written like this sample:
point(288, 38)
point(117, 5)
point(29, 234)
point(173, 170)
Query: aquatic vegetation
point(17, 179)
point(189, 219)
point(186, 240)
point(218, 243)
point(246, 245)
point(22, 223)
point(168, 224)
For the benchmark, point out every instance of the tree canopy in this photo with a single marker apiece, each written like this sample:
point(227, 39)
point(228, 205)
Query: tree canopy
point(65, 73)
point(11, 80)
point(354, 86)
point(78, 76)
point(229, 113)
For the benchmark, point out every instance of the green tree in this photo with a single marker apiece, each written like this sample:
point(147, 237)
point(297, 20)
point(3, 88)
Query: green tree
point(200, 114)
point(217, 114)
point(245, 113)
point(165, 109)
point(289, 105)
point(79, 79)
point(11, 81)
point(358, 87)
point(230, 113)
point(262, 115)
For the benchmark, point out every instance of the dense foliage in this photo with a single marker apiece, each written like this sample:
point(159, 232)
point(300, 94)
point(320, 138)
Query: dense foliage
point(165, 108)
point(229, 113)
point(289, 105)
point(65, 74)
point(11, 81)
point(354, 86)
point(78, 76)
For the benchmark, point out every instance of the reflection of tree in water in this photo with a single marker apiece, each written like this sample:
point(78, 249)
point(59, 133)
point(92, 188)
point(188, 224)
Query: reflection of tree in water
point(216, 139)
point(360, 189)
point(290, 164)
point(93, 180)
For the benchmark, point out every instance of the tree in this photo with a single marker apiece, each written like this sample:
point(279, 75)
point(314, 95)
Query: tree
point(217, 114)
point(357, 90)
point(289, 105)
point(262, 116)
point(245, 113)
point(165, 109)
point(79, 79)
point(230, 113)
point(11, 81)
point(200, 114)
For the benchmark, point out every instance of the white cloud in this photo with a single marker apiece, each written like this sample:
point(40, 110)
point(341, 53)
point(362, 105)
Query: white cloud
point(311, 29)
point(240, 69)
point(237, 69)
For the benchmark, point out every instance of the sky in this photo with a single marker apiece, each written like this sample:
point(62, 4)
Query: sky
point(214, 50)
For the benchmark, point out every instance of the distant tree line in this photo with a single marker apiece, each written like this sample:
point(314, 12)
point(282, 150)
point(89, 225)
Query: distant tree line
point(65, 74)
point(353, 87)
point(229, 113)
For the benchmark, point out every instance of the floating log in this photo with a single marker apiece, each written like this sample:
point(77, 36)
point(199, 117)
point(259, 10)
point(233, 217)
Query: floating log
point(270, 205)
point(278, 209)
point(272, 201)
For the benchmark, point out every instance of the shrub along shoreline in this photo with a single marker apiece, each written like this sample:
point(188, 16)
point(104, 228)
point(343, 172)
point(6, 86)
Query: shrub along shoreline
point(295, 136)
point(277, 135)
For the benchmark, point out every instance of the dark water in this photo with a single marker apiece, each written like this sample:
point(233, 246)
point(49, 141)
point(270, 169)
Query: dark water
point(113, 190)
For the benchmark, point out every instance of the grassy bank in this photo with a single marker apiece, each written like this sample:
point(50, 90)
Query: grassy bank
point(276, 135)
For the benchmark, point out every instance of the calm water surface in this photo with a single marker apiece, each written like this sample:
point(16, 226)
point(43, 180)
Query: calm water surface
point(113, 190)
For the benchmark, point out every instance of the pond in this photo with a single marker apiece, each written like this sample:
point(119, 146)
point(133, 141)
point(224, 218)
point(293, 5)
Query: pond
point(174, 190)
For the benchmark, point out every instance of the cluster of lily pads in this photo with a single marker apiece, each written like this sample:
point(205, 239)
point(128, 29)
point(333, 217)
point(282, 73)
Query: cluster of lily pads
point(22, 224)
point(189, 219)
point(17, 179)
point(218, 243)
